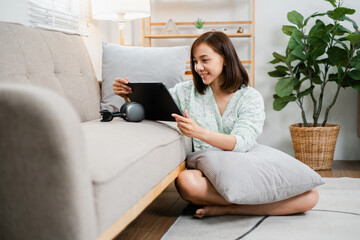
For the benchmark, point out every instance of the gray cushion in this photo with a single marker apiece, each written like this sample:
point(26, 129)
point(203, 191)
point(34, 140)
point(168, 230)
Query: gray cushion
point(140, 64)
point(262, 175)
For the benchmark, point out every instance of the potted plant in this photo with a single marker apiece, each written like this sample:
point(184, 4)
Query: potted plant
point(199, 23)
point(317, 58)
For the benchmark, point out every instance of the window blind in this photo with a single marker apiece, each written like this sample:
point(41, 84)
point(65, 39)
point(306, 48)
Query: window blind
point(70, 16)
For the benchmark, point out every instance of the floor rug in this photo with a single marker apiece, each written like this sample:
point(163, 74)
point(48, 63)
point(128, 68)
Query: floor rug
point(336, 216)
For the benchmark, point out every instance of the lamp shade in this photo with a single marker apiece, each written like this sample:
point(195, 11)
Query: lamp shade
point(120, 9)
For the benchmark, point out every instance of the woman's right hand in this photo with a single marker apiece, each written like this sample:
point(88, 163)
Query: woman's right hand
point(122, 89)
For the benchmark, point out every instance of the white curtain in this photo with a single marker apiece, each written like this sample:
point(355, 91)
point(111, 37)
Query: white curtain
point(70, 16)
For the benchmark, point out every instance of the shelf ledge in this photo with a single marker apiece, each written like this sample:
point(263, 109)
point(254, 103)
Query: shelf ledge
point(193, 35)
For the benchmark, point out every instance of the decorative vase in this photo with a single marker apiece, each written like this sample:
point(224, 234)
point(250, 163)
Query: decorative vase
point(314, 146)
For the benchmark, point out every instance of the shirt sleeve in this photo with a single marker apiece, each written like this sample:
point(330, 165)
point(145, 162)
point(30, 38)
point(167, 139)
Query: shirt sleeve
point(179, 93)
point(250, 120)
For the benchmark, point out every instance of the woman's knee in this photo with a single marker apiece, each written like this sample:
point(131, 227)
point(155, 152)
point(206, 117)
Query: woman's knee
point(311, 198)
point(189, 184)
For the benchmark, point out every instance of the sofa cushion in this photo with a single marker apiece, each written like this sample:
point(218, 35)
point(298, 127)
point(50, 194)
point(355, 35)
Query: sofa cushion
point(140, 64)
point(127, 160)
point(50, 59)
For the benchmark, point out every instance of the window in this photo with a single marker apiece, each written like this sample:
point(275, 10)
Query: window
point(71, 16)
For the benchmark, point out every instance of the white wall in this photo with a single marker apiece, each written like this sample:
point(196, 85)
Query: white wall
point(270, 16)
point(14, 11)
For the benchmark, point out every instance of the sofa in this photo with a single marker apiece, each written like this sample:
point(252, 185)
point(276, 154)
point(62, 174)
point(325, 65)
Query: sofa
point(64, 174)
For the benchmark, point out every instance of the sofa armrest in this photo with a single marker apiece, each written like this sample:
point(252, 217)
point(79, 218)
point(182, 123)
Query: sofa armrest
point(45, 184)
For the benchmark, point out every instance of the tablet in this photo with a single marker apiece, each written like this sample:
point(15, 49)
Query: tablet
point(156, 99)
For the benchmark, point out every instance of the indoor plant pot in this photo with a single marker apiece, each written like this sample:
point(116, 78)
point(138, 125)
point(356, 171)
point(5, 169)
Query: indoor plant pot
point(314, 146)
point(318, 58)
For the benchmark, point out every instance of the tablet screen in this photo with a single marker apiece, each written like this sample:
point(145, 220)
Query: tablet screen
point(156, 99)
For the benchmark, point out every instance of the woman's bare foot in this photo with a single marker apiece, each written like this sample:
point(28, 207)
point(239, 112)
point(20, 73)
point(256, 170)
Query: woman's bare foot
point(298, 204)
point(211, 211)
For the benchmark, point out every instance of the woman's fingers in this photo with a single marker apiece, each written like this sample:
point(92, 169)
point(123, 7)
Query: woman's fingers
point(122, 80)
point(180, 118)
point(120, 86)
point(186, 114)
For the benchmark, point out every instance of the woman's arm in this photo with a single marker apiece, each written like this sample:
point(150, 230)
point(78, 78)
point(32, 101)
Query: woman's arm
point(191, 129)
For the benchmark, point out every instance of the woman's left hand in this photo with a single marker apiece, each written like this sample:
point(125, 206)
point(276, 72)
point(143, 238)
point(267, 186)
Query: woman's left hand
point(188, 126)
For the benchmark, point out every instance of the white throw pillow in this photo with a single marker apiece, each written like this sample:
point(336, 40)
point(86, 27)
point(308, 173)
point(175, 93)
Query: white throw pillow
point(140, 64)
point(262, 175)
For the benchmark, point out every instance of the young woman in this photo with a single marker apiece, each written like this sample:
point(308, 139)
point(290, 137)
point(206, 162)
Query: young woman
point(220, 111)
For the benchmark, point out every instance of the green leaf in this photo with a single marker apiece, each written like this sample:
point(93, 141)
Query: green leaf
point(274, 61)
point(288, 29)
point(341, 30)
point(355, 62)
point(305, 92)
point(298, 83)
point(295, 18)
point(298, 52)
point(319, 27)
point(352, 21)
point(342, 44)
point(351, 82)
point(318, 36)
point(333, 77)
point(277, 73)
point(295, 39)
point(279, 57)
point(291, 58)
point(316, 79)
point(356, 87)
point(317, 52)
point(285, 86)
point(281, 102)
point(333, 2)
point(337, 56)
point(340, 13)
point(340, 74)
point(354, 74)
point(282, 68)
point(354, 38)
point(312, 16)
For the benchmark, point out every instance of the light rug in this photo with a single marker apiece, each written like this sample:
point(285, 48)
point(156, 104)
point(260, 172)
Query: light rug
point(336, 216)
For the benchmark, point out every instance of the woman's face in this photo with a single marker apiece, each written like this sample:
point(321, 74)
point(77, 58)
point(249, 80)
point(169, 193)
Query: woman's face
point(208, 64)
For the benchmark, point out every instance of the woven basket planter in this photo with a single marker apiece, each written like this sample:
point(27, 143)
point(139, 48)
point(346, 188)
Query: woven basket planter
point(314, 146)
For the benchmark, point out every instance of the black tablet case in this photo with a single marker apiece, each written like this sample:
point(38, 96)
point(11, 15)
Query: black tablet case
point(156, 99)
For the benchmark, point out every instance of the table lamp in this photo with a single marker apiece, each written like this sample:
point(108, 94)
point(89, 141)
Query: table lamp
point(120, 10)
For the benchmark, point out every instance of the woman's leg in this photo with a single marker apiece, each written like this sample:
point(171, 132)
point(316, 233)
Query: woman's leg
point(194, 187)
point(197, 189)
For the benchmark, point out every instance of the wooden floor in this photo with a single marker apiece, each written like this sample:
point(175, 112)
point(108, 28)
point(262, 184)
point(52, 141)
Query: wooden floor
point(157, 218)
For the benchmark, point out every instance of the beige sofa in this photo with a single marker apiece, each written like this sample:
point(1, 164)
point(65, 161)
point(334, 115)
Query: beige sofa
point(63, 173)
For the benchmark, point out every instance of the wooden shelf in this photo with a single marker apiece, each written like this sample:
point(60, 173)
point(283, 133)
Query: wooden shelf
point(205, 23)
point(239, 35)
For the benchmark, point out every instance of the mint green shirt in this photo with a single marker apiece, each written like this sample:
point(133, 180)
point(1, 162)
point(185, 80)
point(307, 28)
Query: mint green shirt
point(243, 117)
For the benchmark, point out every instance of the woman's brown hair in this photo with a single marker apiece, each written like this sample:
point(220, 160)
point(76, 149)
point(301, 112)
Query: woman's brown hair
point(234, 72)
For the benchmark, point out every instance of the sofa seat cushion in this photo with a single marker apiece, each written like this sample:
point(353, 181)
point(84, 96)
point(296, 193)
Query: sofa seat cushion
point(147, 153)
